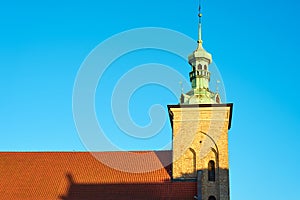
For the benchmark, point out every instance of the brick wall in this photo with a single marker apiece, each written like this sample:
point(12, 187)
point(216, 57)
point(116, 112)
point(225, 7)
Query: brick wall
point(200, 134)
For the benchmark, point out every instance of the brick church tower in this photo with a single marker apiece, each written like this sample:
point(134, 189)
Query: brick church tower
point(200, 125)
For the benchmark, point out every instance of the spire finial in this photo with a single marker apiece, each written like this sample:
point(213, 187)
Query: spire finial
point(200, 26)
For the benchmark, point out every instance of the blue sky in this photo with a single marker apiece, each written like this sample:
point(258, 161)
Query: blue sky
point(254, 43)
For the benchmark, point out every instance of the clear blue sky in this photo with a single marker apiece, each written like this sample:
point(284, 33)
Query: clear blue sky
point(254, 44)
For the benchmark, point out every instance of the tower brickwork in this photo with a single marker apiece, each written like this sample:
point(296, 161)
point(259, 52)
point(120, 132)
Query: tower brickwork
point(200, 143)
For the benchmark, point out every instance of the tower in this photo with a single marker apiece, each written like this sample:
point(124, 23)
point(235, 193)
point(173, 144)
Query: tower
point(200, 125)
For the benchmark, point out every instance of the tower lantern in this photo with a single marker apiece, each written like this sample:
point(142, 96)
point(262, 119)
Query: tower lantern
point(200, 60)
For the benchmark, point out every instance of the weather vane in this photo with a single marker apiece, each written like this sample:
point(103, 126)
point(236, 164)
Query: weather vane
point(200, 14)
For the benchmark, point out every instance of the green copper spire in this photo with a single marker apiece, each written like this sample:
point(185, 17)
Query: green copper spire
point(200, 60)
point(200, 26)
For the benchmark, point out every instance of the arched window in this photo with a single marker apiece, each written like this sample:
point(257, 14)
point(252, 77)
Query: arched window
point(189, 170)
point(199, 67)
point(205, 67)
point(211, 171)
point(212, 198)
point(194, 162)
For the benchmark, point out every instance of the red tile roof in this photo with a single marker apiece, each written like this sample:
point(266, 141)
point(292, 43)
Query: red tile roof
point(79, 175)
